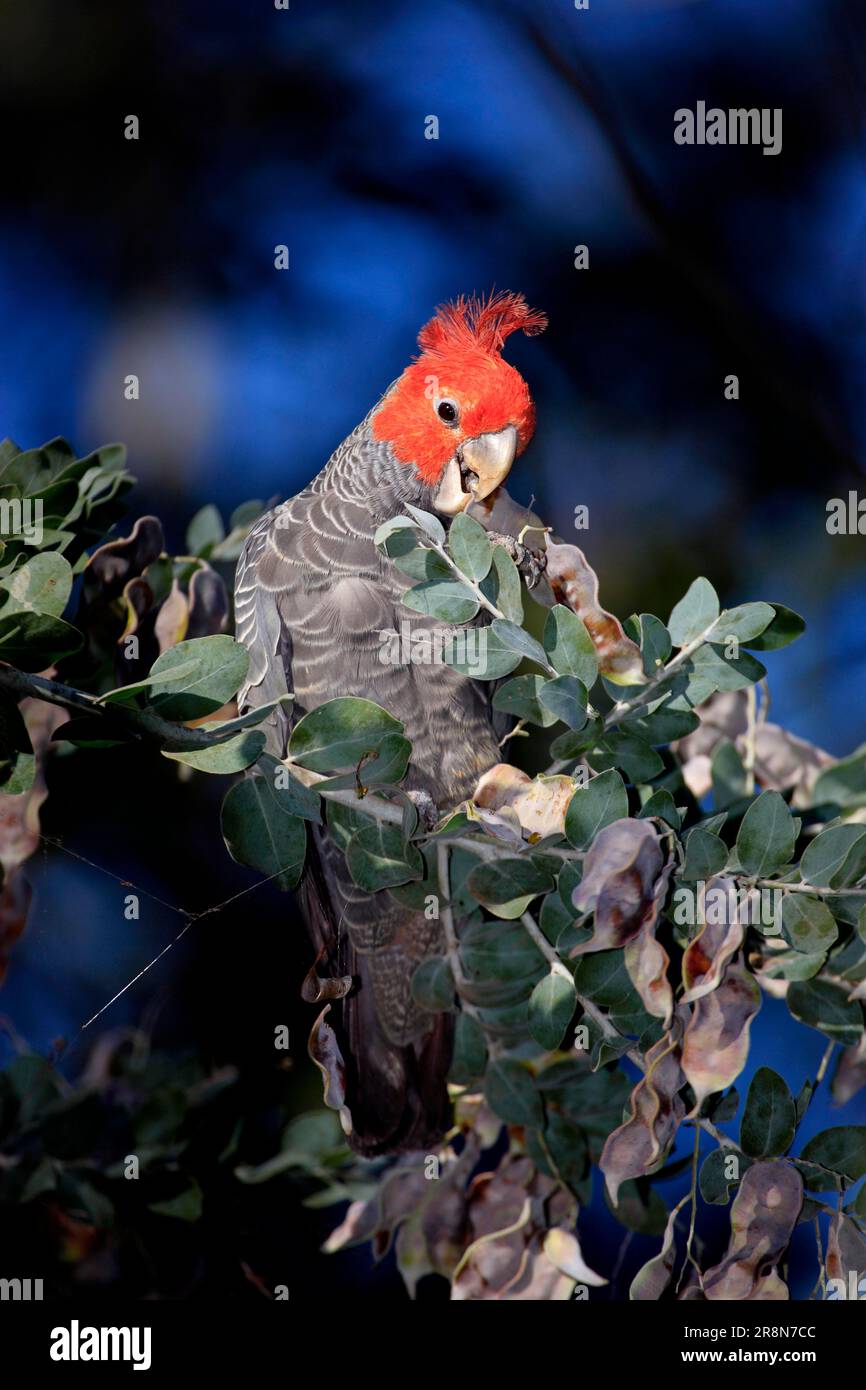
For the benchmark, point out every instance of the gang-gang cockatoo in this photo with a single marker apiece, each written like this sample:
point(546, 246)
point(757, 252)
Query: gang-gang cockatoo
point(313, 594)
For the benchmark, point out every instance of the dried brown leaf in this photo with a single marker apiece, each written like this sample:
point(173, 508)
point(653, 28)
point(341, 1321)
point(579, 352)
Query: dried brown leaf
point(574, 583)
point(716, 1042)
point(721, 936)
point(763, 1217)
point(639, 1145)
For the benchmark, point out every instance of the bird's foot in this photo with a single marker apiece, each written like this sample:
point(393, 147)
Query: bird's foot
point(530, 563)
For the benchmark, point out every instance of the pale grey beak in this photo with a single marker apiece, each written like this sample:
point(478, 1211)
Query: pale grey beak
point(478, 468)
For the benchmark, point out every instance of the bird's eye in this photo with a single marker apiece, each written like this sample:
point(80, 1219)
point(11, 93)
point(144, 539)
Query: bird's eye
point(447, 411)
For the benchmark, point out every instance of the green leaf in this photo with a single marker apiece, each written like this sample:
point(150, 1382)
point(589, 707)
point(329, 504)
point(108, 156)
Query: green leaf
point(514, 637)
point(397, 537)
point(92, 731)
point(42, 585)
point(551, 1006)
point(491, 951)
point(715, 1185)
point(433, 985)
point(565, 698)
point(430, 524)
point(125, 694)
point(385, 767)
point(469, 1057)
point(377, 858)
point(603, 978)
point(17, 759)
point(503, 587)
point(637, 759)
point(34, 641)
point(785, 628)
point(843, 783)
point(220, 668)
point(337, 735)
point(769, 1120)
point(470, 548)
point(711, 665)
point(445, 599)
point(480, 652)
point(842, 1149)
point(807, 923)
point(836, 858)
point(662, 726)
point(422, 563)
point(694, 614)
point(743, 623)
point(569, 646)
point(706, 856)
point(599, 803)
point(662, 805)
point(510, 1093)
point(507, 886)
point(204, 531)
point(260, 834)
point(232, 756)
point(766, 837)
point(292, 796)
point(825, 1006)
point(730, 779)
point(654, 641)
point(186, 1206)
point(520, 697)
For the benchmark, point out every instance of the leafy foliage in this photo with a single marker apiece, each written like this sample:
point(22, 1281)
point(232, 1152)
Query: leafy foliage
point(616, 922)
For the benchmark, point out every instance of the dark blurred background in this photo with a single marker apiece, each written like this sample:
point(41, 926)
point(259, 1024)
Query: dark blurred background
point(306, 127)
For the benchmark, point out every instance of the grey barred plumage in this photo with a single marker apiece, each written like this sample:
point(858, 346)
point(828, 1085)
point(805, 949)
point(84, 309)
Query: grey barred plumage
point(313, 597)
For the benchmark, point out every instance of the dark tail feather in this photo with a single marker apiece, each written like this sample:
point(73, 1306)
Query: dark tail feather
point(397, 1095)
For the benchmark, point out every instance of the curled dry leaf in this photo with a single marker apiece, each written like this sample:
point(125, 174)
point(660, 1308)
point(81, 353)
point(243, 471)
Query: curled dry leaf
point(716, 1042)
point(19, 814)
point(505, 1256)
point(651, 1281)
point(427, 1208)
point(19, 827)
point(208, 604)
point(763, 1217)
point(850, 1073)
point(324, 1050)
point(562, 1249)
point(172, 619)
point(539, 804)
point(619, 875)
point(782, 761)
point(647, 961)
point(639, 1145)
point(316, 988)
point(358, 1225)
point(574, 583)
point(721, 936)
point(625, 884)
point(115, 563)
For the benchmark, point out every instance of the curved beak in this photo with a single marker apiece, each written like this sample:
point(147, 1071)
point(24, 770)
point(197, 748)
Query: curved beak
point(478, 468)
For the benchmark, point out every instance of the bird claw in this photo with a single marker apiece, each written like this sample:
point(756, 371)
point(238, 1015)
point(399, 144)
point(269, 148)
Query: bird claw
point(530, 563)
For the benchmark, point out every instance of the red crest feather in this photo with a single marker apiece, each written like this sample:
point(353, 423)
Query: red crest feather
point(482, 324)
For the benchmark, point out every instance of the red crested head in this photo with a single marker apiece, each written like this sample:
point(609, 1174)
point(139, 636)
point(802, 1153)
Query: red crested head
point(459, 410)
